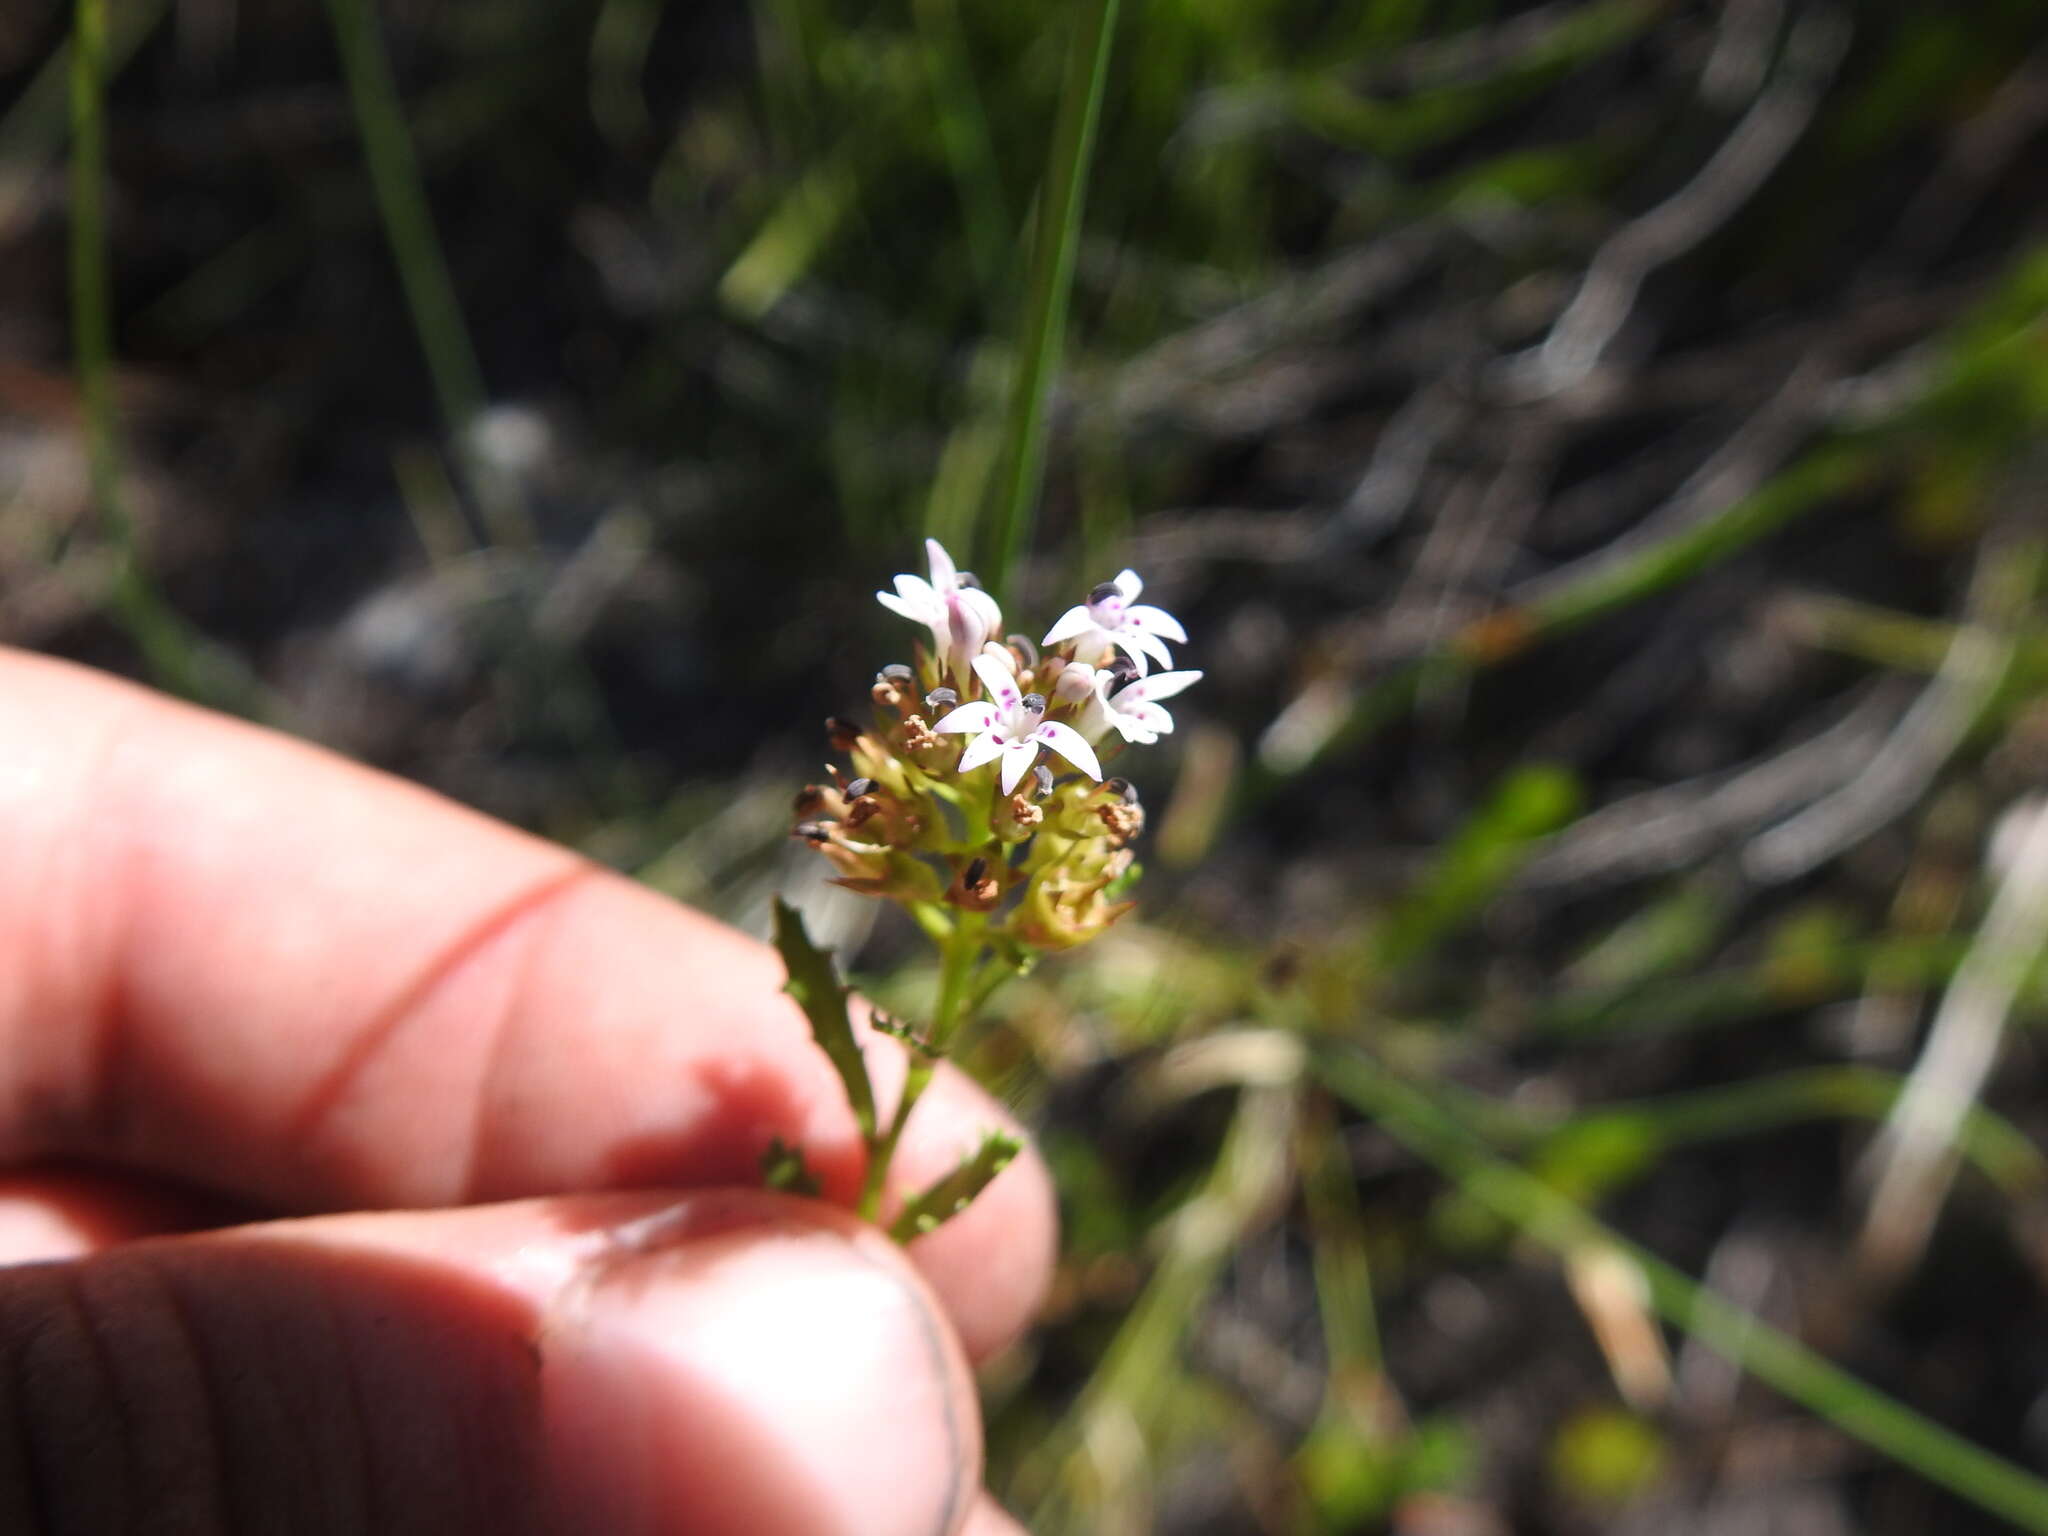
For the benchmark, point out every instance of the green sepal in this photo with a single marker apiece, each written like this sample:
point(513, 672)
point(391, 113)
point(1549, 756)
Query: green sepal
point(896, 1029)
point(783, 1168)
point(942, 1201)
point(815, 986)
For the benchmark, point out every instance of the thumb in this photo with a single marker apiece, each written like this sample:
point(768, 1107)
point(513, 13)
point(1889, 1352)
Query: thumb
point(723, 1362)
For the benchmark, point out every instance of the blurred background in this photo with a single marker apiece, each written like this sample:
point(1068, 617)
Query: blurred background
point(1587, 978)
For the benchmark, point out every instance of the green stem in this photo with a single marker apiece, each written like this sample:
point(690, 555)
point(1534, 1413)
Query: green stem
point(962, 947)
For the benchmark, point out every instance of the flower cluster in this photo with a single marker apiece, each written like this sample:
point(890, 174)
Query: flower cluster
point(978, 795)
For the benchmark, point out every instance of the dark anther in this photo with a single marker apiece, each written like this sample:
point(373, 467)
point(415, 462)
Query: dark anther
point(1123, 789)
point(811, 832)
point(1043, 775)
point(1035, 703)
point(841, 732)
point(895, 672)
point(976, 873)
point(1103, 592)
point(940, 700)
point(1023, 646)
point(1123, 669)
point(858, 788)
point(967, 578)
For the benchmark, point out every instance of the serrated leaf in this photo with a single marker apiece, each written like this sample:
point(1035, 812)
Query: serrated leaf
point(941, 1202)
point(815, 985)
point(783, 1168)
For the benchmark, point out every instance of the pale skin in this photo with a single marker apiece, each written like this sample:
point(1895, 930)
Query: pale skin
point(517, 1104)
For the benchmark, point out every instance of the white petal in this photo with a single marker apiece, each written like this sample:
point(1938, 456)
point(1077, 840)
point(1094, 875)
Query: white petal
point(1155, 621)
point(1134, 730)
point(983, 608)
point(1018, 757)
point(915, 589)
point(985, 746)
point(1140, 646)
point(945, 575)
point(895, 604)
point(1071, 745)
point(1095, 720)
point(968, 717)
point(1077, 620)
point(1151, 717)
point(1000, 682)
point(1129, 583)
point(1160, 685)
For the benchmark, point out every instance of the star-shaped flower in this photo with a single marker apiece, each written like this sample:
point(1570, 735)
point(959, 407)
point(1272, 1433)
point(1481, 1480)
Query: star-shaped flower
point(1012, 725)
point(1111, 617)
point(1133, 710)
point(959, 614)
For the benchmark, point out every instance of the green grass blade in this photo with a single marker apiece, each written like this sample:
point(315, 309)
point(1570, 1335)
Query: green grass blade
point(1412, 1116)
point(415, 248)
point(1043, 334)
point(174, 656)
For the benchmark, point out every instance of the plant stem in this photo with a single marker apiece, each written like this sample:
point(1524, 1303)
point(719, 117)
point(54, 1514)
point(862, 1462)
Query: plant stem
point(962, 947)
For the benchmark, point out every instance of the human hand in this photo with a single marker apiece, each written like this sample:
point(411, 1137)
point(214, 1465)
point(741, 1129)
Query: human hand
point(232, 963)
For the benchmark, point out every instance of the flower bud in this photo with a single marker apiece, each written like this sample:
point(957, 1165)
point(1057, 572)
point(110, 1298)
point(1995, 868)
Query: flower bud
point(1075, 683)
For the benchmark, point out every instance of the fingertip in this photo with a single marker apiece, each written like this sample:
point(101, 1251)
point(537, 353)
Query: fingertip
point(759, 1365)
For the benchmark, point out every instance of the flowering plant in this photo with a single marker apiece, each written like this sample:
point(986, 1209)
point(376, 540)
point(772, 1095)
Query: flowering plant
point(976, 801)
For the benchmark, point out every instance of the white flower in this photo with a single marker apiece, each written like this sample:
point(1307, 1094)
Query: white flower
point(1111, 618)
point(1133, 710)
point(1013, 727)
point(959, 614)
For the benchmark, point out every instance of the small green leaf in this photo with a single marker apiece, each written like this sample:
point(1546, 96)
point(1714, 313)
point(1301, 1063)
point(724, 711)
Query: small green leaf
point(815, 986)
point(783, 1168)
point(946, 1199)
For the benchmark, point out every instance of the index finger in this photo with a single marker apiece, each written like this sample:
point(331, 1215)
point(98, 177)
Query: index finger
point(232, 958)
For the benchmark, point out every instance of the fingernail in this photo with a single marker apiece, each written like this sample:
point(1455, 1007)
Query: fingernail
point(739, 1366)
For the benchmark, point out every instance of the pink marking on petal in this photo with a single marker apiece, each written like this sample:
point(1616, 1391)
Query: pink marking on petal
point(1071, 745)
point(1155, 621)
